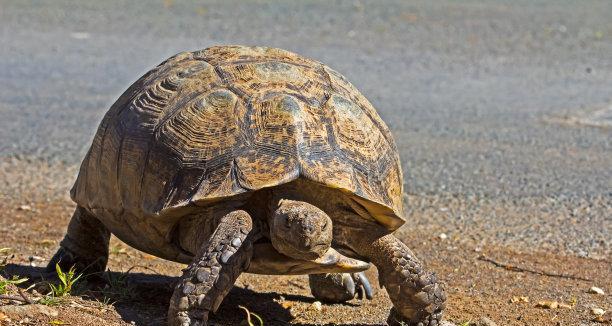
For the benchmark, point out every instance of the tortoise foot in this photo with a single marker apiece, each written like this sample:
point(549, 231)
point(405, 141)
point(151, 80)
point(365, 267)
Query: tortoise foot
point(417, 297)
point(67, 259)
point(339, 287)
point(85, 246)
point(395, 319)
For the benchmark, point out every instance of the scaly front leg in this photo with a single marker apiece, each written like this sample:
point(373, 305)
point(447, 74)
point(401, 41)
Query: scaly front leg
point(213, 272)
point(417, 297)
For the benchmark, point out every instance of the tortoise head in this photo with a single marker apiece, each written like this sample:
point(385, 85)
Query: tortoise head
point(300, 230)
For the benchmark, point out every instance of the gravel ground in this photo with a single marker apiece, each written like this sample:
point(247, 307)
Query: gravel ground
point(475, 287)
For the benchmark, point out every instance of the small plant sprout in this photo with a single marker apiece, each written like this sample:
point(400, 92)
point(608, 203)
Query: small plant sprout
point(67, 279)
point(118, 250)
point(106, 301)
point(14, 280)
point(249, 314)
point(49, 301)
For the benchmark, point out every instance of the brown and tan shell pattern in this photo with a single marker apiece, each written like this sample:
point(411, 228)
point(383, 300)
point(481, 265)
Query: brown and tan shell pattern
point(226, 120)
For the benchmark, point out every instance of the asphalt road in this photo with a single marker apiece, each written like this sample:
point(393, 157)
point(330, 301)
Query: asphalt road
point(481, 96)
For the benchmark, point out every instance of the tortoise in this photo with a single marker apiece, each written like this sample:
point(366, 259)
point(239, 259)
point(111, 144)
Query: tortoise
point(237, 159)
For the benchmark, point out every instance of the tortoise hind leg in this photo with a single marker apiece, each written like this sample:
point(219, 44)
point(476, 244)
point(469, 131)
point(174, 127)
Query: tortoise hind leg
point(85, 245)
point(211, 275)
point(339, 287)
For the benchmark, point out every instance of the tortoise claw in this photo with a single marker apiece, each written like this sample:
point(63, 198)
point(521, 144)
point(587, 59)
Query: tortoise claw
point(349, 284)
point(363, 286)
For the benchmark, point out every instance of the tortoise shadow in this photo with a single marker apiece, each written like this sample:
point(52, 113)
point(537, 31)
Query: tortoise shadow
point(142, 299)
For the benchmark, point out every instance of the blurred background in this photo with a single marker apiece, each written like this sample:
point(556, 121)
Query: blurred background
point(484, 98)
point(501, 109)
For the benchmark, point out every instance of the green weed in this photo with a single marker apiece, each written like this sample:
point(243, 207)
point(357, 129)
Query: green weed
point(67, 282)
point(49, 300)
point(14, 280)
point(106, 301)
point(118, 250)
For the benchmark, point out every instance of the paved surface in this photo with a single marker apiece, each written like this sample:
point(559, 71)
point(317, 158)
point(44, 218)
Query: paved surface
point(481, 96)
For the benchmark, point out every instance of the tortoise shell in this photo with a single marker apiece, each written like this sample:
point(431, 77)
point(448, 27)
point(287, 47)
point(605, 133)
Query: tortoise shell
point(223, 121)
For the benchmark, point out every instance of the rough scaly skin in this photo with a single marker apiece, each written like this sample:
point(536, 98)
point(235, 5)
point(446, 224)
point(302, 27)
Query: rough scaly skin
point(417, 297)
point(339, 287)
point(85, 245)
point(330, 288)
point(213, 272)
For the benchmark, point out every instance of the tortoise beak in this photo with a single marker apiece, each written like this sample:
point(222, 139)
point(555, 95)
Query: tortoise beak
point(346, 264)
point(266, 260)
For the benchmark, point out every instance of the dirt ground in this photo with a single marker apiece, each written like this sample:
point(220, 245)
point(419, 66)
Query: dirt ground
point(481, 281)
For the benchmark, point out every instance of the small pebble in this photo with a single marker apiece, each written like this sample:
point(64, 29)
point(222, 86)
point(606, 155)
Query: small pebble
point(442, 236)
point(317, 306)
point(33, 259)
point(606, 318)
point(519, 299)
point(484, 321)
point(597, 311)
point(447, 323)
point(596, 290)
point(582, 254)
point(547, 304)
point(25, 208)
point(38, 258)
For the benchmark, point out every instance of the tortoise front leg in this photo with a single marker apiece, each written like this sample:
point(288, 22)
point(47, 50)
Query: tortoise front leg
point(213, 272)
point(417, 297)
point(85, 245)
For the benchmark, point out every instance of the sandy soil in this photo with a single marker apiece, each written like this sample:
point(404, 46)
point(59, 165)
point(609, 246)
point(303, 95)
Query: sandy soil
point(476, 286)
